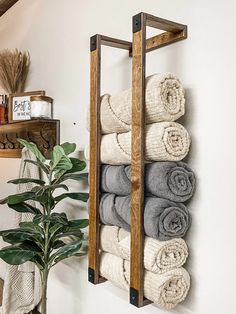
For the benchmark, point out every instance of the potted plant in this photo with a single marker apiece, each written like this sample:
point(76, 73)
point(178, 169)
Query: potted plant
point(41, 241)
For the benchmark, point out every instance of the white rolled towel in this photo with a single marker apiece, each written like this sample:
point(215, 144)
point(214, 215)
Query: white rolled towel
point(159, 256)
point(164, 141)
point(166, 290)
point(164, 101)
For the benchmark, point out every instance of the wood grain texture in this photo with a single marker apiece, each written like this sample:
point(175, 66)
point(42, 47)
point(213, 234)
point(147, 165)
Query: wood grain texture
point(45, 133)
point(137, 163)
point(140, 46)
point(94, 168)
point(95, 139)
point(165, 39)
point(116, 43)
point(162, 24)
point(6, 5)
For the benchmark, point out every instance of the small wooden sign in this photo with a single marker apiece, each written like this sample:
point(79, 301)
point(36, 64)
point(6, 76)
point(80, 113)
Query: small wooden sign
point(19, 105)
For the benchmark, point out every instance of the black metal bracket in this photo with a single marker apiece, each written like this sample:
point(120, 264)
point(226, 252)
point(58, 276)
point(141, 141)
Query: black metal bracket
point(91, 275)
point(93, 43)
point(137, 19)
point(134, 297)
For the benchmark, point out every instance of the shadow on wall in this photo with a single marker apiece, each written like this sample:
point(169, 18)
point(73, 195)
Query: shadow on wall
point(188, 120)
point(116, 70)
point(171, 59)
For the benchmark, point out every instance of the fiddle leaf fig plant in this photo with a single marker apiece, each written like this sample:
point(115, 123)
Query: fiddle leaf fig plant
point(43, 240)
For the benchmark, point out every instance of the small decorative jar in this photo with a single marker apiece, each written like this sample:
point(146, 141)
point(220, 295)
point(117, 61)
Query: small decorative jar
point(3, 109)
point(41, 107)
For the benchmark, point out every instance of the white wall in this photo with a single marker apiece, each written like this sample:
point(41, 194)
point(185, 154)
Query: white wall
point(56, 32)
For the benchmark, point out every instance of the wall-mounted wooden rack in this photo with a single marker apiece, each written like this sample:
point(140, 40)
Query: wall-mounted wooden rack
point(137, 49)
point(45, 133)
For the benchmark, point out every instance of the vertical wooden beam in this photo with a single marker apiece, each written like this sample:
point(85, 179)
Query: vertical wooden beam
point(174, 32)
point(95, 140)
point(138, 128)
point(94, 170)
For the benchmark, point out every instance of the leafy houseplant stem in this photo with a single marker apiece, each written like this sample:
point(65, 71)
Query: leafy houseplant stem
point(44, 291)
point(50, 237)
point(45, 271)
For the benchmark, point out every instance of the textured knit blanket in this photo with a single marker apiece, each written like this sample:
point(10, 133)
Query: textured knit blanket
point(164, 141)
point(22, 285)
point(174, 181)
point(159, 256)
point(166, 290)
point(163, 219)
point(164, 102)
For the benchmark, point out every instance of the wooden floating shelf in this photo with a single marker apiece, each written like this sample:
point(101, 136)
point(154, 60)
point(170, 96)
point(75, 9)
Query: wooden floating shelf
point(43, 132)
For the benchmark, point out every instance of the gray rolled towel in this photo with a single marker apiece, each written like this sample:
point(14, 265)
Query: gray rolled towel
point(174, 181)
point(163, 219)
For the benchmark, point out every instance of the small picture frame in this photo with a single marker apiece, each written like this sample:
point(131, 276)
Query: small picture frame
point(19, 105)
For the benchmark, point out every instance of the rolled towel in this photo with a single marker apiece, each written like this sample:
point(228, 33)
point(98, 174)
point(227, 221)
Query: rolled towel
point(164, 141)
point(159, 256)
point(164, 102)
point(166, 290)
point(174, 181)
point(163, 219)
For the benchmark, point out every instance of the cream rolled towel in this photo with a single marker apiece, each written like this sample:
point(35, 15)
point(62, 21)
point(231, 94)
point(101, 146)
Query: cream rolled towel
point(159, 256)
point(164, 101)
point(166, 290)
point(164, 141)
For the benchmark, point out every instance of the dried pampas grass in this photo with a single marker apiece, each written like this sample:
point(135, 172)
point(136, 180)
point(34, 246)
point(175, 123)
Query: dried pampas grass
point(14, 68)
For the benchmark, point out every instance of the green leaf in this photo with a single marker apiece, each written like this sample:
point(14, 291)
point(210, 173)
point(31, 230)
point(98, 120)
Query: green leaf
point(54, 229)
point(77, 165)
point(82, 253)
point(33, 148)
point(67, 251)
point(58, 186)
point(60, 218)
point(59, 159)
point(39, 164)
point(39, 191)
point(43, 195)
point(31, 245)
point(75, 196)
point(19, 198)
point(68, 147)
point(37, 259)
point(73, 176)
point(25, 208)
point(27, 180)
point(30, 226)
point(79, 223)
point(16, 255)
point(76, 233)
point(57, 244)
point(38, 218)
point(14, 236)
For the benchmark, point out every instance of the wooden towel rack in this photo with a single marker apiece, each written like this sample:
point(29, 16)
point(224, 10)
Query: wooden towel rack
point(137, 49)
